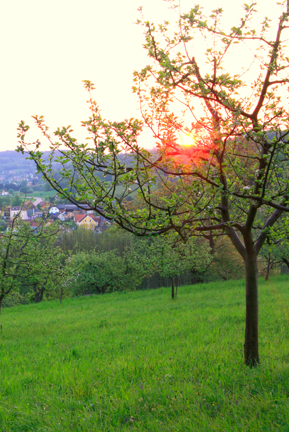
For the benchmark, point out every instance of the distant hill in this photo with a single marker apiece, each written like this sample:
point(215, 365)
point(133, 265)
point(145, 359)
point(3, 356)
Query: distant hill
point(16, 164)
point(13, 163)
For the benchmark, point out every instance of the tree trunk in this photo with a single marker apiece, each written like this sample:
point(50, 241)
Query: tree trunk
point(38, 294)
point(173, 288)
point(251, 332)
point(285, 261)
point(1, 301)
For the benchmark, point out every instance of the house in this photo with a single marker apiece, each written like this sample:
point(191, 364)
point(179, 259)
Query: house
point(5, 212)
point(37, 214)
point(62, 216)
point(30, 208)
point(34, 225)
point(88, 221)
point(18, 210)
point(54, 210)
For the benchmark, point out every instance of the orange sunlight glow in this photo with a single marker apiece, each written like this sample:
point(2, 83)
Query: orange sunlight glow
point(188, 147)
point(187, 139)
point(192, 150)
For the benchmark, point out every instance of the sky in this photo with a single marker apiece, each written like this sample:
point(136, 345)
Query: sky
point(49, 47)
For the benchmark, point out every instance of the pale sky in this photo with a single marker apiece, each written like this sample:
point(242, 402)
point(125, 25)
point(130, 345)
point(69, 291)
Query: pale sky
point(49, 47)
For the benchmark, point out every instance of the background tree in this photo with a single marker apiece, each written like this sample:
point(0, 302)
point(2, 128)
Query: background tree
point(170, 257)
point(237, 169)
point(102, 273)
point(16, 200)
point(226, 262)
point(3, 225)
point(44, 269)
point(13, 258)
point(275, 251)
point(80, 240)
point(25, 190)
point(5, 201)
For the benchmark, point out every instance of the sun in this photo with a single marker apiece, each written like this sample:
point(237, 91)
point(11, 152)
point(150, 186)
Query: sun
point(187, 139)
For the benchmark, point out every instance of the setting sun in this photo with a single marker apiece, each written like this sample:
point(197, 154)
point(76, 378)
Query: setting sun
point(187, 139)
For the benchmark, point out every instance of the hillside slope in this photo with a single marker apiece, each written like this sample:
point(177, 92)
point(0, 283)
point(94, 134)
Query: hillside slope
point(139, 361)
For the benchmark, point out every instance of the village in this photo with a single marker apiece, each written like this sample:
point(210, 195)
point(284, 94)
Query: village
point(69, 216)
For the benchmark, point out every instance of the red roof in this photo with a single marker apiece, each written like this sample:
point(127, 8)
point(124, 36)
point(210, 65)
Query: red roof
point(95, 218)
point(79, 217)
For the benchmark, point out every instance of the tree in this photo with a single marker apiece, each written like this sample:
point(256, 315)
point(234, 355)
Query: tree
point(25, 190)
point(275, 250)
point(14, 244)
point(93, 273)
point(16, 200)
point(233, 179)
point(79, 240)
point(170, 257)
point(4, 201)
point(226, 263)
point(45, 265)
point(3, 225)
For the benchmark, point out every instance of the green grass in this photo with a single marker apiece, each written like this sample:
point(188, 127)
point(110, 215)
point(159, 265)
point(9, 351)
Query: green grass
point(142, 362)
point(41, 194)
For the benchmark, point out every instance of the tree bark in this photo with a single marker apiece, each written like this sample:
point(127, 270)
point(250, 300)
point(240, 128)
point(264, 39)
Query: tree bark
point(38, 294)
point(173, 288)
point(285, 261)
point(251, 352)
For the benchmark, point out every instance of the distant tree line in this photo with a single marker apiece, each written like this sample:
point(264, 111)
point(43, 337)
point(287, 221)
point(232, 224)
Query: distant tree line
point(46, 263)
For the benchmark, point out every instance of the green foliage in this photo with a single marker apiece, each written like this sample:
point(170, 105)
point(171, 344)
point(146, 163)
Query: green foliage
point(168, 257)
point(25, 190)
point(274, 253)
point(15, 298)
point(147, 257)
point(45, 269)
point(171, 258)
point(79, 240)
point(16, 200)
point(226, 263)
point(12, 257)
point(99, 273)
point(3, 225)
point(47, 187)
point(5, 201)
point(29, 257)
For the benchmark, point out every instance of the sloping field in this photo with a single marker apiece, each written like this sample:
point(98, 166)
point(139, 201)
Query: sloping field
point(142, 362)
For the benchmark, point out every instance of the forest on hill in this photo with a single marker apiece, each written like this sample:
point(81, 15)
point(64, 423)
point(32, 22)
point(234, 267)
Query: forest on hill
point(13, 163)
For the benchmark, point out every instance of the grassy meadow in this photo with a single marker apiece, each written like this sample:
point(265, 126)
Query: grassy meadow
point(40, 194)
point(142, 362)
